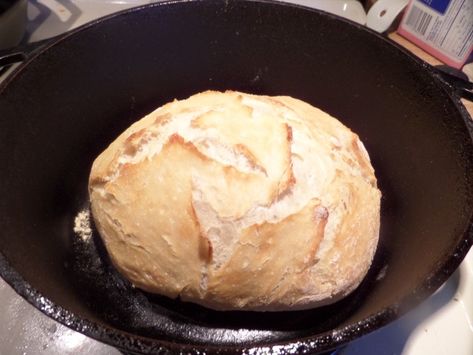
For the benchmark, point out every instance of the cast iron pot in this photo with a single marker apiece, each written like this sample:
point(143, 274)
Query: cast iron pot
point(72, 97)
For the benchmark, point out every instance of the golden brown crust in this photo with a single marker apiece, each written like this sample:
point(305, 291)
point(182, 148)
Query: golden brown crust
point(271, 251)
point(238, 201)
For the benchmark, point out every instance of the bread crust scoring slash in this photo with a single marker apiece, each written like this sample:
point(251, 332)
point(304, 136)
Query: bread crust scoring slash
point(238, 202)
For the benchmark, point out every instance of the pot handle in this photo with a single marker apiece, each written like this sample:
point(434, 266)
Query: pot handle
point(456, 79)
point(21, 53)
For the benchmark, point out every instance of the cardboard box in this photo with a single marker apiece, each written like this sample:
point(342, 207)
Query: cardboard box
point(443, 28)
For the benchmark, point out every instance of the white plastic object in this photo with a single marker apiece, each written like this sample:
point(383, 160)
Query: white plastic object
point(383, 13)
point(349, 9)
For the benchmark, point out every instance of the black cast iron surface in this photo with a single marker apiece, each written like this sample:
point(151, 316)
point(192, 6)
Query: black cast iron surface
point(63, 106)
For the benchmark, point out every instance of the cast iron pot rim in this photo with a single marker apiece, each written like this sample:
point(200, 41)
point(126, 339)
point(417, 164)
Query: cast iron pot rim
point(320, 342)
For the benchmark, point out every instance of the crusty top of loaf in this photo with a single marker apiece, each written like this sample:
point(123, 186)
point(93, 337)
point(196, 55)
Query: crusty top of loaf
point(238, 201)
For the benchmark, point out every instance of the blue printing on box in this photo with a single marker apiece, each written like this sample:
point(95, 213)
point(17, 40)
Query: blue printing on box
point(437, 5)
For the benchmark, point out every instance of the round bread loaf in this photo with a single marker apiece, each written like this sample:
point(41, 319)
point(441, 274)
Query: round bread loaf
point(238, 202)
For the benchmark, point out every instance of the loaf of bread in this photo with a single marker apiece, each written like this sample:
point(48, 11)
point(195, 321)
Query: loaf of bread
point(238, 202)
